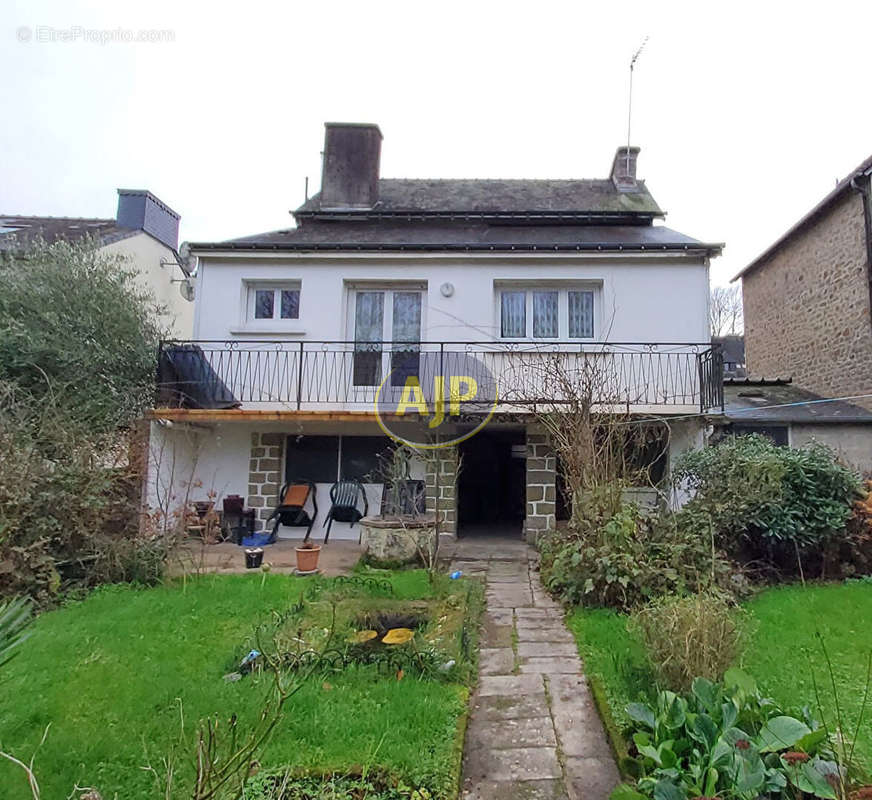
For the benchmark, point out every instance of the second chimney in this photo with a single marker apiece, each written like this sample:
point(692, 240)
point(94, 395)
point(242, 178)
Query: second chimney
point(624, 169)
point(140, 210)
point(349, 177)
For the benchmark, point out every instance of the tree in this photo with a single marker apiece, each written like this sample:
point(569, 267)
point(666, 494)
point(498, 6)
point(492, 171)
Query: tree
point(78, 344)
point(77, 328)
point(725, 310)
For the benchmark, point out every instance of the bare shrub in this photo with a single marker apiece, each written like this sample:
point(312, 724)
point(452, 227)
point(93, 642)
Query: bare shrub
point(699, 635)
point(583, 406)
point(69, 503)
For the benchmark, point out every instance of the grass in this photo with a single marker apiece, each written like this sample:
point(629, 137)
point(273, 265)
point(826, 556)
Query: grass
point(786, 658)
point(783, 653)
point(612, 658)
point(113, 675)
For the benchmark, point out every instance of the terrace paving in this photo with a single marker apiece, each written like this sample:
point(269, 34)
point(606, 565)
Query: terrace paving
point(338, 557)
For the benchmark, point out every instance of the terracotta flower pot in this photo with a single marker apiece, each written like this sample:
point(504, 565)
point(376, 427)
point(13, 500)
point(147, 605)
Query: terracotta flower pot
point(307, 558)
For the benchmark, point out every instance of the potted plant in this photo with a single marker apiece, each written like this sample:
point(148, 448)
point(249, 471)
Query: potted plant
point(307, 557)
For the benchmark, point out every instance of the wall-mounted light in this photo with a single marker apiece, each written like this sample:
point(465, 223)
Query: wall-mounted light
point(447, 289)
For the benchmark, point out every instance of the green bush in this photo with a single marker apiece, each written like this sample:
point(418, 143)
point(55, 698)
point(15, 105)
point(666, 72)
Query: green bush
point(77, 329)
point(767, 503)
point(727, 741)
point(372, 785)
point(631, 559)
point(69, 506)
point(687, 637)
point(78, 340)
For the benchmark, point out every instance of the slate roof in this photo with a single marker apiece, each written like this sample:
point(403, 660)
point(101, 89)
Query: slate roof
point(842, 186)
point(16, 231)
point(750, 400)
point(398, 236)
point(501, 197)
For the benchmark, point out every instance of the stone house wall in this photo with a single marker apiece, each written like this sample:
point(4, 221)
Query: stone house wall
point(541, 484)
point(264, 475)
point(440, 487)
point(807, 312)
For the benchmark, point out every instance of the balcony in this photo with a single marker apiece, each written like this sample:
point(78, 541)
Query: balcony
point(310, 376)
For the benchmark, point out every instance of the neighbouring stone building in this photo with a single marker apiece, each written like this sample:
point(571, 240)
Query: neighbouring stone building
point(807, 297)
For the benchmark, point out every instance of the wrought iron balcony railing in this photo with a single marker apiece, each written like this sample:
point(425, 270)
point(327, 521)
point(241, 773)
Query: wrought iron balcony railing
point(308, 375)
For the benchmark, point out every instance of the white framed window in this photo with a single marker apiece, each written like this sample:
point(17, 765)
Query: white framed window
point(548, 312)
point(391, 314)
point(268, 303)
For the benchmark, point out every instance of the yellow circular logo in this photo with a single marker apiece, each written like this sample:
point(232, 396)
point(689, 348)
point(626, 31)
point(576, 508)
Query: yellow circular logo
point(429, 400)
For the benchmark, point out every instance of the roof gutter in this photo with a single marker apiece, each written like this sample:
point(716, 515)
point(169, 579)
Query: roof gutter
point(861, 185)
point(587, 247)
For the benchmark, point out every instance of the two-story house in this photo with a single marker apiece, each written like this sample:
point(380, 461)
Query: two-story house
point(145, 232)
point(305, 339)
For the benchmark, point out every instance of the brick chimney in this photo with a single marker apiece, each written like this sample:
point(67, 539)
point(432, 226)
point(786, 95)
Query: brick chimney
point(349, 177)
point(140, 210)
point(624, 169)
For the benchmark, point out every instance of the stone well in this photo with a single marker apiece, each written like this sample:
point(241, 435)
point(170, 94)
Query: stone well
point(398, 540)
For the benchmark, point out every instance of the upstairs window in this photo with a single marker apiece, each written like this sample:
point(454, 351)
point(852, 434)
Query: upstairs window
point(392, 316)
point(273, 303)
point(547, 313)
point(580, 314)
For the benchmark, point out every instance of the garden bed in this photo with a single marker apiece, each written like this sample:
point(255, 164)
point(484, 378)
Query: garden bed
point(783, 654)
point(114, 675)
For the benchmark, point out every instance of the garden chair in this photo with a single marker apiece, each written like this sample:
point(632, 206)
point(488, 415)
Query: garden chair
point(406, 498)
point(344, 497)
point(291, 510)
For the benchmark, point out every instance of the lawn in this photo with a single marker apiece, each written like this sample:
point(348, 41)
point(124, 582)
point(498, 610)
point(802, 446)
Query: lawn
point(112, 676)
point(784, 654)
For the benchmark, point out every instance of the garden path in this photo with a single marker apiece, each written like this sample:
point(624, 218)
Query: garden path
point(534, 731)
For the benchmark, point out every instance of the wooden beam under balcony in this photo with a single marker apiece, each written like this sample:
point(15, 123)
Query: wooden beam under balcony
point(258, 415)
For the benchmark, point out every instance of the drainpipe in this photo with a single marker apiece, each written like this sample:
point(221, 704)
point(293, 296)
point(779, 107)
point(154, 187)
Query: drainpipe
point(861, 184)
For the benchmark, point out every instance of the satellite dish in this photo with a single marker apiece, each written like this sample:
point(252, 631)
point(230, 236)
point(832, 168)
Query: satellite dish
point(187, 261)
point(186, 289)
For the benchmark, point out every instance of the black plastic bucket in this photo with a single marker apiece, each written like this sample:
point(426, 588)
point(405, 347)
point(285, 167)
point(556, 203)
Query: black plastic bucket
point(254, 558)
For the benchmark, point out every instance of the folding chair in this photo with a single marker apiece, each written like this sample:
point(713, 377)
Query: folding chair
point(343, 503)
point(291, 510)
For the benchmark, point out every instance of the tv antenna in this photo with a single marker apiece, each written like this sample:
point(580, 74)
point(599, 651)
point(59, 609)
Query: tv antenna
point(633, 61)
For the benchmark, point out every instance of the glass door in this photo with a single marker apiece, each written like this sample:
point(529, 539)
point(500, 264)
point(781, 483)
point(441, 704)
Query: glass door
point(387, 336)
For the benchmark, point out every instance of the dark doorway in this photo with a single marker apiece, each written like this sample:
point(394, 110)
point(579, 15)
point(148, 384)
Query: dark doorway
point(492, 496)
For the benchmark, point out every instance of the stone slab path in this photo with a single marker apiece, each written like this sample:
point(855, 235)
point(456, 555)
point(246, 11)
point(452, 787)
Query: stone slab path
point(534, 732)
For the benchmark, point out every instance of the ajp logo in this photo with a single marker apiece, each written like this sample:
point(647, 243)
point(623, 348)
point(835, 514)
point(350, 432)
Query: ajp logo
point(423, 398)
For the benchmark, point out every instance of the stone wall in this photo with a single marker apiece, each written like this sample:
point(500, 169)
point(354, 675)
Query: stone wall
point(541, 486)
point(441, 494)
point(807, 310)
point(264, 474)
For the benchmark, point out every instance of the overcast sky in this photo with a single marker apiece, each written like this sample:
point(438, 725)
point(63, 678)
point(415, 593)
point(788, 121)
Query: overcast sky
point(746, 114)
